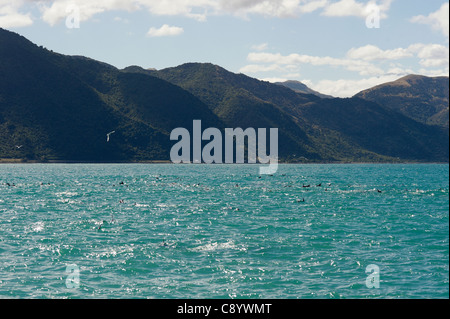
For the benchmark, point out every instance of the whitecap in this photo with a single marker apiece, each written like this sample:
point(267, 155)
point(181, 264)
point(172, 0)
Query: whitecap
point(38, 227)
point(66, 201)
point(66, 193)
point(142, 205)
point(219, 246)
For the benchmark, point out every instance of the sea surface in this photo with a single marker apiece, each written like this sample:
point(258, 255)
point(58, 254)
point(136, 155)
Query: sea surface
point(224, 231)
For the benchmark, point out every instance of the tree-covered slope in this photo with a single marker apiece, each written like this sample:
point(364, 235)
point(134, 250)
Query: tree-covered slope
point(58, 107)
point(331, 129)
point(422, 98)
point(62, 107)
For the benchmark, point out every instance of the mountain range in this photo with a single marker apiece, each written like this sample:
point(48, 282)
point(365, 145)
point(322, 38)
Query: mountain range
point(55, 107)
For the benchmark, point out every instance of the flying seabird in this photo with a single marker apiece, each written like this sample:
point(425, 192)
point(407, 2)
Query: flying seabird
point(108, 135)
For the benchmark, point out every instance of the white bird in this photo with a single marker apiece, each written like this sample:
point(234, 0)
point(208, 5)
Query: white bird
point(108, 135)
point(19, 146)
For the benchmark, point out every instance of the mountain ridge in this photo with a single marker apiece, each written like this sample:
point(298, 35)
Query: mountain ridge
point(424, 99)
point(212, 86)
point(60, 108)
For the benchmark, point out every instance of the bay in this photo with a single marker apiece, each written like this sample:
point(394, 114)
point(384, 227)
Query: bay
point(223, 231)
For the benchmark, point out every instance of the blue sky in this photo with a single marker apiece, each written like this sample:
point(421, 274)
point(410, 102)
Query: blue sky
point(337, 47)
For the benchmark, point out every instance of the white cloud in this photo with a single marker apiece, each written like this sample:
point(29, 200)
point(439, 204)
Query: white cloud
point(360, 66)
point(54, 11)
point(279, 8)
point(311, 6)
point(185, 8)
point(348, 88)
point(293, 8)
point(165, 31)
point(10, 17)
point(275, 79)
point(373, 64)
point(435, 72)
point(438, 20)
point(15, 20)
point(364, 59)
point(433, 55)
point(430, 55)
point(396, 70)
point(57, 10)
point(343, 87)
point(371, 52)
point(345, 8)
point(352, 8)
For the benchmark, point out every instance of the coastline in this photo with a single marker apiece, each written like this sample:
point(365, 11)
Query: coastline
point(24, 161)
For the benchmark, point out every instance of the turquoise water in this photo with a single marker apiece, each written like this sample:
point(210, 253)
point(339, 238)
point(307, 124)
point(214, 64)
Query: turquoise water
point(198, 231)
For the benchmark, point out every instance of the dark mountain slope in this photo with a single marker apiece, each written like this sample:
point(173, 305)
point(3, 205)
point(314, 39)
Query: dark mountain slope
point(422, 98)
point(57, 107)
point(47, 110)
point(240, 101)
point(330, 129)
point(61, 107)
point(376, 129)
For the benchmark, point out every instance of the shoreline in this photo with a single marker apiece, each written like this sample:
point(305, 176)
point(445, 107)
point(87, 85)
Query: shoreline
point(23, 161)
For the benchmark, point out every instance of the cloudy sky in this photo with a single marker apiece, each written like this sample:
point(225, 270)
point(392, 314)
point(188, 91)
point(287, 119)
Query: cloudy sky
point(337, 47)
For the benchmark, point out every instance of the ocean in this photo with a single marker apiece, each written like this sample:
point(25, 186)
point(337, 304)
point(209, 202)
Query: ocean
point(169, 231)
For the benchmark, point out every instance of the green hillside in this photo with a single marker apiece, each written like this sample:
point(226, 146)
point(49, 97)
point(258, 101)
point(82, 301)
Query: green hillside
point(61, 108)
point(422, 98)
point(58, 107)
point(331, 129)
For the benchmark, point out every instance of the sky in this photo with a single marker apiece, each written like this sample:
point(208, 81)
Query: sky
point(336, 47)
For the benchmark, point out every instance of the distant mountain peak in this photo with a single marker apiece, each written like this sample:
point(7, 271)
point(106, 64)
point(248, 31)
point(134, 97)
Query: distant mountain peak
point(407, 81)
point(300, 87)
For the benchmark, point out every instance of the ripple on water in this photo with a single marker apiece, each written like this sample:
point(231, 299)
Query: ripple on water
point(201, 232)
